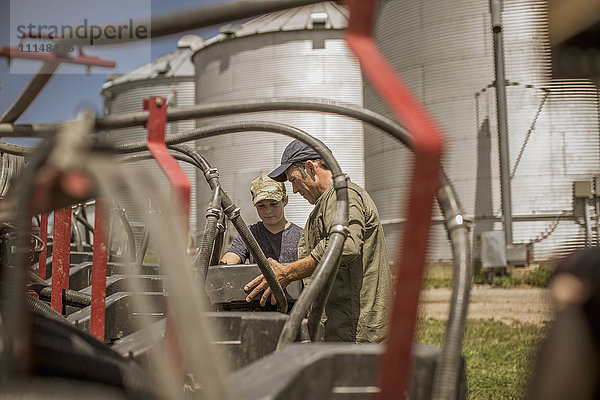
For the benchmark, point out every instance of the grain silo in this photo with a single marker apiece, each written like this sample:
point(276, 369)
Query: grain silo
point(443, 49)
point(171, 76)
point(298, 52)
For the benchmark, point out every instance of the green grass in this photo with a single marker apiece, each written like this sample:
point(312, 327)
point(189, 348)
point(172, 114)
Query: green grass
point(538, 278)
point(499, 357)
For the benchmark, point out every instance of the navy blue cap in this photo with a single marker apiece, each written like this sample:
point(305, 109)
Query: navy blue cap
point(295, 152)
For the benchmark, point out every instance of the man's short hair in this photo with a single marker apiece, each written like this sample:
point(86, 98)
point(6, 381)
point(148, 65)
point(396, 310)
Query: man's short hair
point(319, 161)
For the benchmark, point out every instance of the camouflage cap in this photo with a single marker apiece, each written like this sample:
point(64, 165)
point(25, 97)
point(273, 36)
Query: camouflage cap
point(265, 188)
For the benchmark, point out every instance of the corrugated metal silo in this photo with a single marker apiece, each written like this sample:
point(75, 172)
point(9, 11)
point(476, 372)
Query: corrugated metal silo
point(294, 53)
point(171, 76)
point(444, 51)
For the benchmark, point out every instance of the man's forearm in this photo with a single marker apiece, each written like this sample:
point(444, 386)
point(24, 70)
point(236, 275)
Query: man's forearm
point(300, 269)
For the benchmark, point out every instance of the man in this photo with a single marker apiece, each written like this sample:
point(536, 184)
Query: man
point(357, 308)
point(276, 236)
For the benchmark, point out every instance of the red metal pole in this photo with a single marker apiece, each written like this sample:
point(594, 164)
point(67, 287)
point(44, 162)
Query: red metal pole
point(157, 120)
point(61, 254)
point(44, 252)
point(99, 272)
point(427, 146)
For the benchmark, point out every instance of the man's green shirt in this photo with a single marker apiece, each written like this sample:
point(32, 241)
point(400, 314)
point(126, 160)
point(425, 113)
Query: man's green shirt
point(357, 309)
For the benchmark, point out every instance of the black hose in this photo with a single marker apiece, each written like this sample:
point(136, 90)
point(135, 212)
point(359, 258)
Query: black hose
point(40, 308)
point(233, 213)
point(327, 275)
point(215, 257)
point(447, 374)
point(213, 214)
point(70, 297)
point(339, 227)
point(63, 350)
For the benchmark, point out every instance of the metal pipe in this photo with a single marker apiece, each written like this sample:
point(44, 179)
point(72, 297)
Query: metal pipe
point(33, 88)
point(501, 112)
point(127, 120)
point(198, 18)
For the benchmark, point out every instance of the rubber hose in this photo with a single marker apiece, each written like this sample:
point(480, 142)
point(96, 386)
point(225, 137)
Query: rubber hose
point(234, 216)
point(219, 239)
point(208, 239)
point(448, 373)
point(341, 214)
point(59, 348)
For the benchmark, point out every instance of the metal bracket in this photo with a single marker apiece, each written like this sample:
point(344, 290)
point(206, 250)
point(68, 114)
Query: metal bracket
point(339, 228)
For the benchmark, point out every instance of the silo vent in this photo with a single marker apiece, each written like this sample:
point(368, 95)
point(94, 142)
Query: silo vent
point(190, 41)
point(230, 29)
point(318, 19)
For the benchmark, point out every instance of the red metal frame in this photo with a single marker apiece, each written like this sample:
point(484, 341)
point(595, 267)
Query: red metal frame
point(99, 271)
point(157, 120)
point(427, 146)
point(61, 255)
point(44, 252)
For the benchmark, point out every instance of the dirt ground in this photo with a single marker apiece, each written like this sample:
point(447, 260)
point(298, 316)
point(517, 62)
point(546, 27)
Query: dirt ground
point(507, 305)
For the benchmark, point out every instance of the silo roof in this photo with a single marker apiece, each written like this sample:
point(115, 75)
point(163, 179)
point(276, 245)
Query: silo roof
point(177, 63)
point(326, 15)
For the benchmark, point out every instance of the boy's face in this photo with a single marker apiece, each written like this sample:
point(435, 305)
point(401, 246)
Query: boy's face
point(270, 211)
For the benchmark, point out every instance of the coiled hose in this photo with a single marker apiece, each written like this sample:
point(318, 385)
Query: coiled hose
point(233, 213)
point(340, 220)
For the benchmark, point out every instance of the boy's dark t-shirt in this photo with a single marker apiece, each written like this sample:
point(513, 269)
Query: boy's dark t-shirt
point(281, 246)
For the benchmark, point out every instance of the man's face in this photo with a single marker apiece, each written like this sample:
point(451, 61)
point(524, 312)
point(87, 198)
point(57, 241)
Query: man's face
point(302, 183)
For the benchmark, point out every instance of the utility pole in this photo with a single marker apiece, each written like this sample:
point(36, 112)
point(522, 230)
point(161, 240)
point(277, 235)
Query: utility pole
point(503, 146)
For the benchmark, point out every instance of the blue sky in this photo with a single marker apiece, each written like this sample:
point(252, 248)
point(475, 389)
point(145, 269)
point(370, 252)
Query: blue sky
point(72, 88)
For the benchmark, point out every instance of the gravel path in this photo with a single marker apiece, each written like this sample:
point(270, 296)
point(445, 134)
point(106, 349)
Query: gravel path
point(506, 305)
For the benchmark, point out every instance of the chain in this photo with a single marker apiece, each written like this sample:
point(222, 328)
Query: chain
point(548, 231)
point(531, 128)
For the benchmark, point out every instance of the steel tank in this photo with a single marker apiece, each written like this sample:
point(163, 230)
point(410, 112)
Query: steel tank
point(171, 76)
point(444, 51)
point(298, 52)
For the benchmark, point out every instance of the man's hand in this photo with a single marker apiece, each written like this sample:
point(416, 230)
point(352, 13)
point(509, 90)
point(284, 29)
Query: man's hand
point(260, 283)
